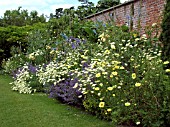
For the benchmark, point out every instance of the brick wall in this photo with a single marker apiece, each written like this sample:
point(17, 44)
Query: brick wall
point(137, 14)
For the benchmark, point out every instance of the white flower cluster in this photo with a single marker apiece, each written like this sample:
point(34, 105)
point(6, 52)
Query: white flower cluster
point(34, 54)
point(21, 83)
point(57, 71)
point(53, 73)
point(12, 63)
point(101, 65)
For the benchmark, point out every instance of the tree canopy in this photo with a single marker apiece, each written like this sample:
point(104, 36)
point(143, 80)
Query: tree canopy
point(21, 17)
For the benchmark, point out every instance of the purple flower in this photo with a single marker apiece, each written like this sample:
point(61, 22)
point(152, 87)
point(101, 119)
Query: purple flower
point(32, 69)
point(65, 92)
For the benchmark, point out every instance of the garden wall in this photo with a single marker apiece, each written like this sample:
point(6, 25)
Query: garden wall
point(137, 14)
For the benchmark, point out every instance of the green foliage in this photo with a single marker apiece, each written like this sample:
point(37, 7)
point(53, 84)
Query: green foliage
point(165, 38)
point(121, 76)
point(15, 40)
point(12, 36)
point(104, 4)
point(126, 81)
point(13, 63)
point(20, 17)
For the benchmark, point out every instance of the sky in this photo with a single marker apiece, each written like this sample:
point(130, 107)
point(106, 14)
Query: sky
point(42, 6)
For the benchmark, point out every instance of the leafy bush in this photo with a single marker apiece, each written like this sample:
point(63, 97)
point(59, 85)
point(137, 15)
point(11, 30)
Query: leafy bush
point(13, 63)
point(126, 81)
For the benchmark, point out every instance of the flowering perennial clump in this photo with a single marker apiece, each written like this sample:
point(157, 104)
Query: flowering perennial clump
point(22, 81)
point(121, 77)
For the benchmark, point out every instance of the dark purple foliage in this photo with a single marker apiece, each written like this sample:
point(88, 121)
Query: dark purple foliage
point(65, 92)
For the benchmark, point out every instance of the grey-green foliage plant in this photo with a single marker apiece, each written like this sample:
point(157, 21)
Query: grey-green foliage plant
point(38, 41)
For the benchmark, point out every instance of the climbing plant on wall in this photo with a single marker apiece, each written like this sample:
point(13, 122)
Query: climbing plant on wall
point(165, 38)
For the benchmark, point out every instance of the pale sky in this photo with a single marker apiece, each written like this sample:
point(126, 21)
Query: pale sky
point(42, 6)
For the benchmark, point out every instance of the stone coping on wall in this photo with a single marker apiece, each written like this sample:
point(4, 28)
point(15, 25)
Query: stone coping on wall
point(111, 8)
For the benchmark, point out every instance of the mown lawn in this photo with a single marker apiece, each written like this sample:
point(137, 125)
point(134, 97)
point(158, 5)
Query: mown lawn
point(21, 110)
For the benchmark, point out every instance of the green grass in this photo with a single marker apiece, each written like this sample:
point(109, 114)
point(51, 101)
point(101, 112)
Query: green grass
point(23, 110)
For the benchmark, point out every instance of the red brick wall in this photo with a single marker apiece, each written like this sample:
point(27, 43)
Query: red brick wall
point(142, 13)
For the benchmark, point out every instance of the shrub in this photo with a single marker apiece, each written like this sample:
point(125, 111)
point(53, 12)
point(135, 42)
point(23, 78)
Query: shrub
point(126, 81)
point(13, 63)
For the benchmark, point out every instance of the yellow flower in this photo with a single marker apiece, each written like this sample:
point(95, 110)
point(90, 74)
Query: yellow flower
point(117, 55)
point(113, 46)
point(101, 98)
point(133, 75)
point(137, 39)
point(69, 66)
point(102, 35)
point(132, 59)
point(109, 109)
point(110, 88)
point(52, 52)
point(101, 84)
point(31, 56)
point(154, 24)
point(135, 35)
point(99, 94)
point(167, 70)
point(122, 67)
point(137, 123)
point(113, 95)
point(104, 73)
point(107, 52)
point(84, 92)
point(127, 104)
point(84, 57)
point(96, 88)
point(101, 104)
point(103, 39)
point(137, 84)
point(114, 73)
point(98, 75)
point(166, 62)
point(117, 67)
point(48, 47)
point(113, 68)
point(111, 76)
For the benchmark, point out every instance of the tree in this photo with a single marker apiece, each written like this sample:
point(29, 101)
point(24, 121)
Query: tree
point(87, 8)
point(19, 17)
point(104, 4)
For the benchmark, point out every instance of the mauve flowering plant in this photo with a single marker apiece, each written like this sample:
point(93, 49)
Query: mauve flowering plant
point(65, 92)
